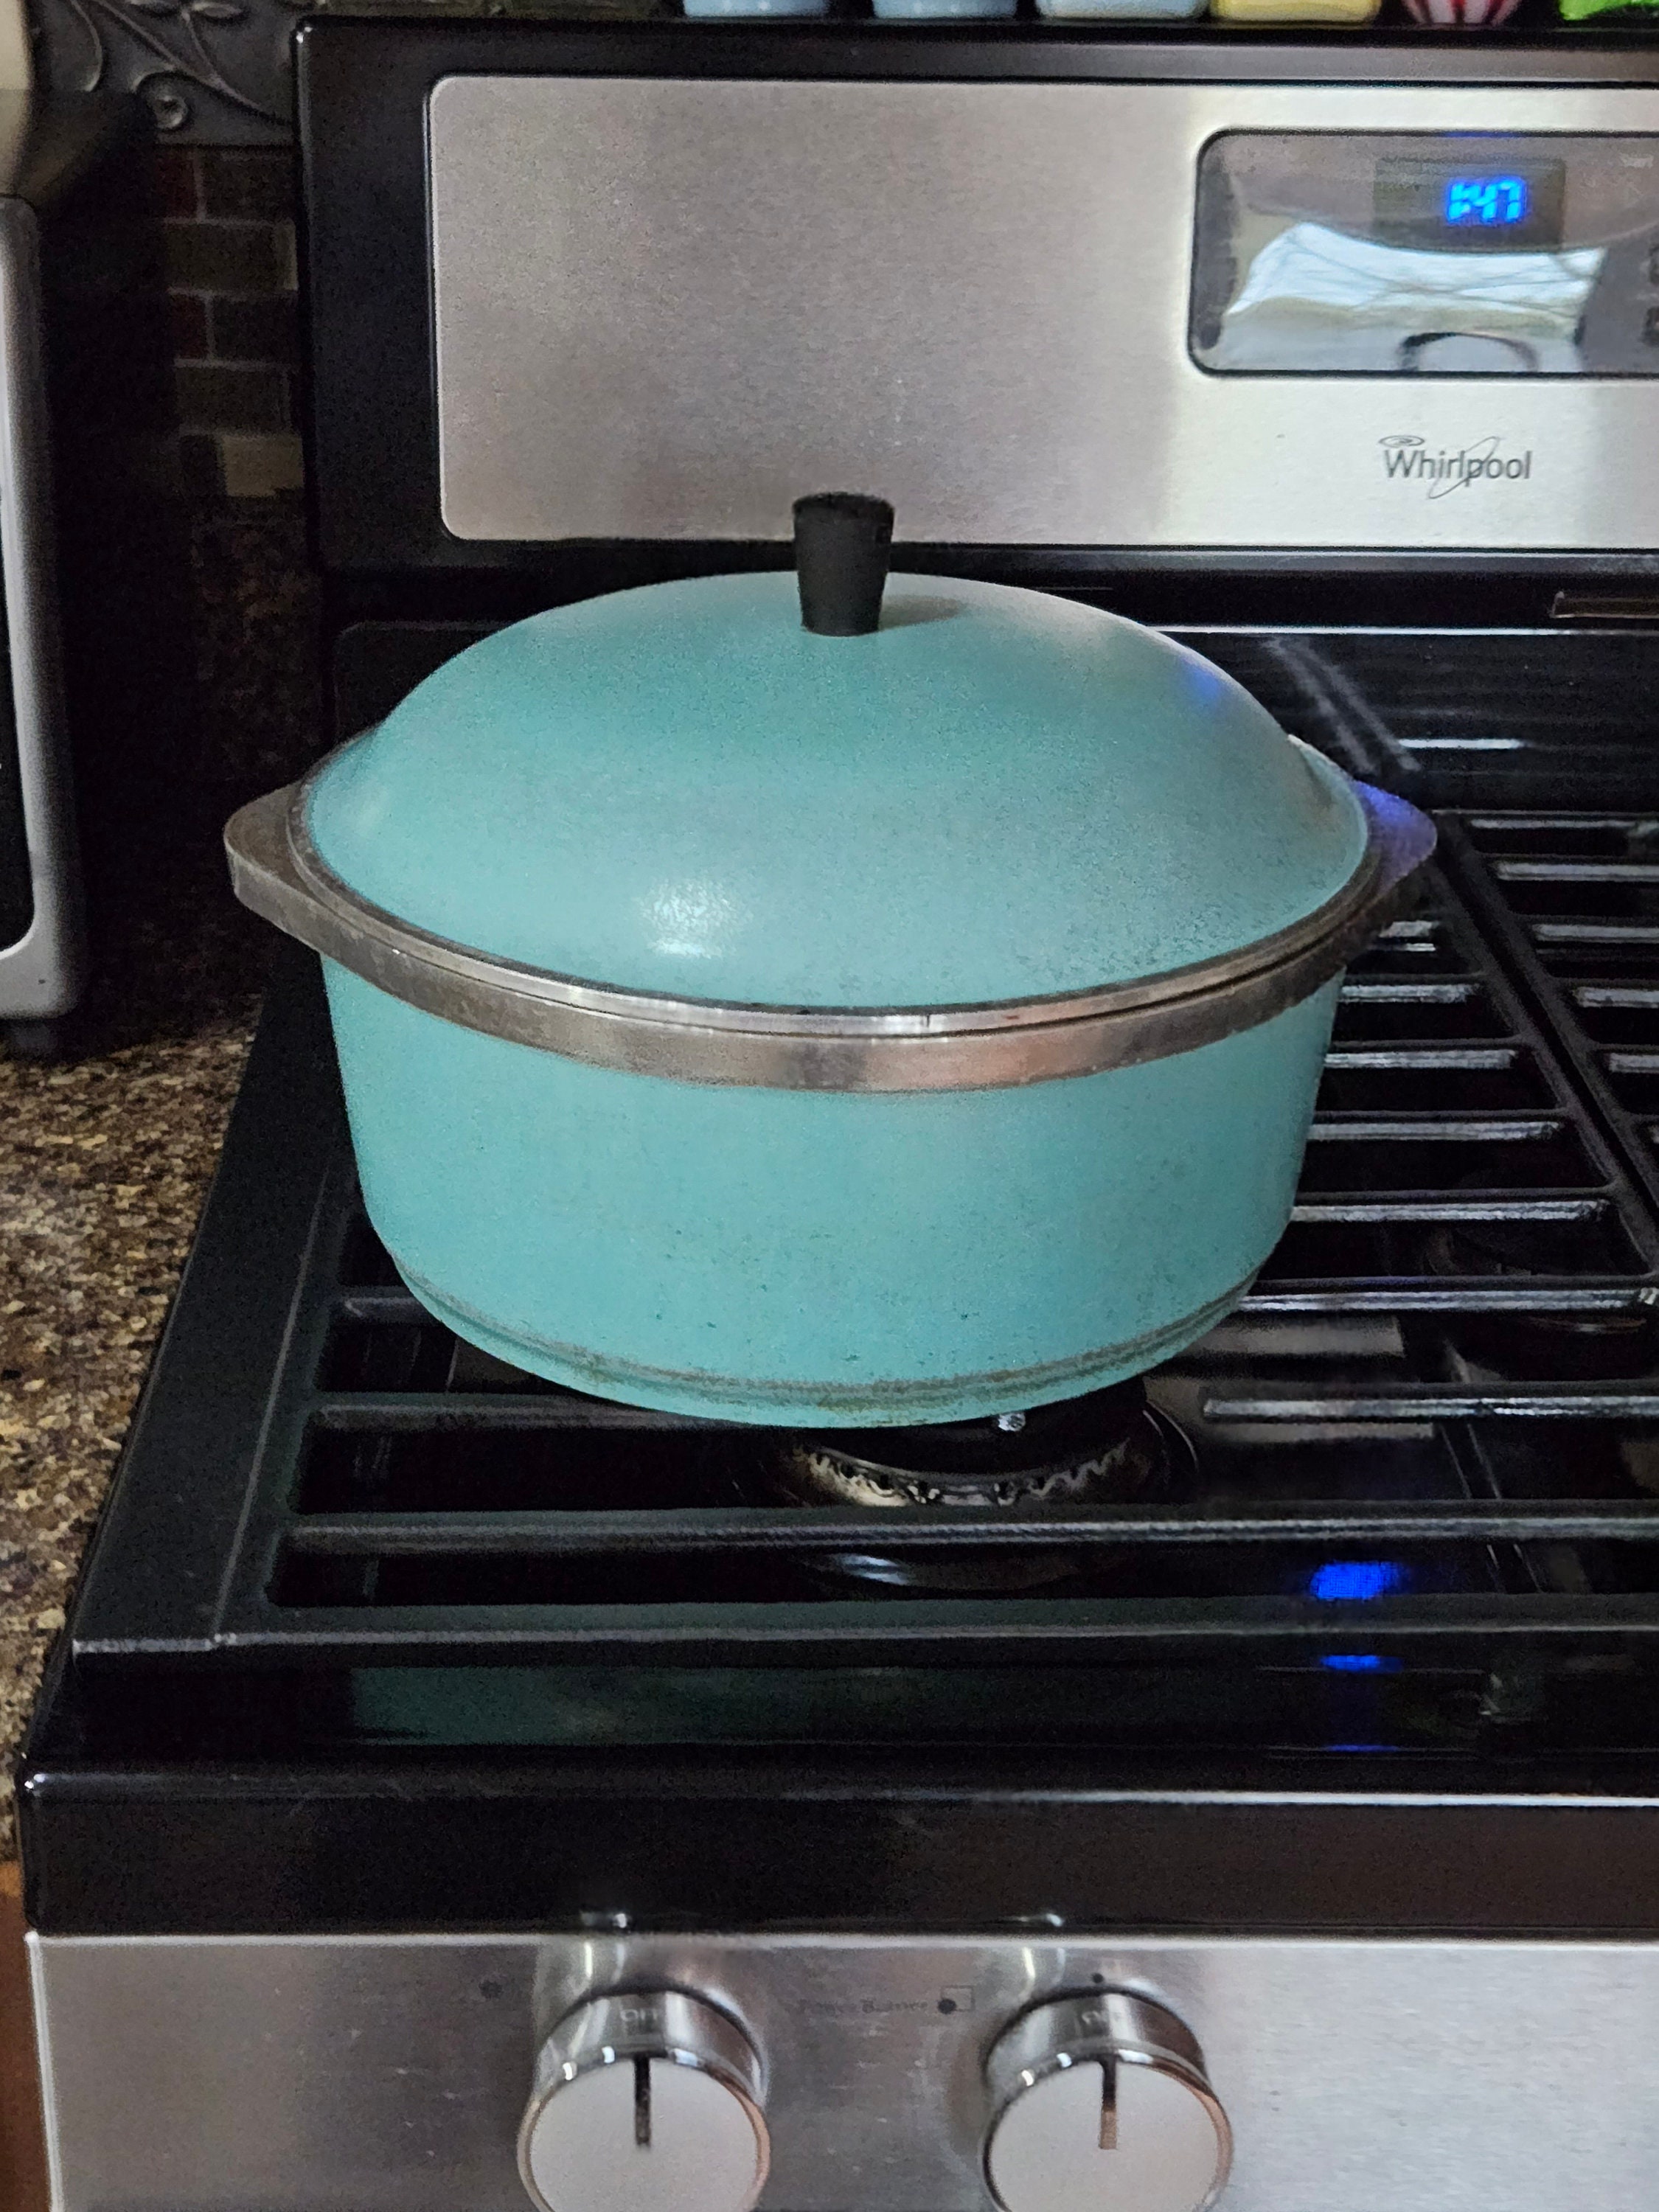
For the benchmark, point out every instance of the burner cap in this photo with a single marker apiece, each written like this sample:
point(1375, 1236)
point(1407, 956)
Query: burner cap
point(1084, 1450)
point(1107, 1447)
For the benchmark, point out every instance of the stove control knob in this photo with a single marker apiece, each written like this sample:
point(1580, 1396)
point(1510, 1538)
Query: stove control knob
point(647, 2101)
point(1101, 2106)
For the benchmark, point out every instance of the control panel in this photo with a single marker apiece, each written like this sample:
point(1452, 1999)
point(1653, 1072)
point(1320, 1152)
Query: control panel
point(1375, 317)
point(652, 2101)
point(1042, 2070)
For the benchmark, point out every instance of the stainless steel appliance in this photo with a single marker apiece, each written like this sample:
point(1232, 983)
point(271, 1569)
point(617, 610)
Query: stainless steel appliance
point(85, 407)
point(453, 1790)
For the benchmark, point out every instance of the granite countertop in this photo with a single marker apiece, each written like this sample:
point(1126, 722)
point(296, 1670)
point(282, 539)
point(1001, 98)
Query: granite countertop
point(103, 1166)
point(106, 1155)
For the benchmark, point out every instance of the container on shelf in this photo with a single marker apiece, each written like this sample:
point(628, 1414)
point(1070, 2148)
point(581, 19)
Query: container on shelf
point(1461, 15)
point(706, 10)
point(1123, 11)
point(1342, 13)
point(921, 11)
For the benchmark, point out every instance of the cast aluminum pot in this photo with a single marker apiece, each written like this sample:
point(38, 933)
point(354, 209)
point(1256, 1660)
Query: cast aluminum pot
point(909, 1012)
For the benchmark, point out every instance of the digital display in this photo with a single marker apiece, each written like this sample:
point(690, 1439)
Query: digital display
point(1495, 203)
point(1468, 255)
point(1506, 207)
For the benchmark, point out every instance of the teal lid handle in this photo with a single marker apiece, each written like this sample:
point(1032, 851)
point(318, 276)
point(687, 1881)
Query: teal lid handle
point(842, 540)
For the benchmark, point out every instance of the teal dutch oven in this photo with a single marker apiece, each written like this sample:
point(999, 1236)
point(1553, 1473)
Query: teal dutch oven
point(903, 1006)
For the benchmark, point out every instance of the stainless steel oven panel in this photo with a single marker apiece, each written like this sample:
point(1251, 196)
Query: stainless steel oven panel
point(42, 971)
point(665, 308)
point(389, 2074)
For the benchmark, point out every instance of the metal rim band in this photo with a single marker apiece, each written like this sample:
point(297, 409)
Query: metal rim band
point(276, 870)
point(879, 1403)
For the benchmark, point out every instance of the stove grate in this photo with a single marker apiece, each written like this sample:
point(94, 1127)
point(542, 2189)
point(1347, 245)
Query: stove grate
point(1572, 902)
point(1467, 717)
point(1434, 1424)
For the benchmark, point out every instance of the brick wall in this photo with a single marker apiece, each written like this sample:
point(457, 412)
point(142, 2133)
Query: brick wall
point(230, 221)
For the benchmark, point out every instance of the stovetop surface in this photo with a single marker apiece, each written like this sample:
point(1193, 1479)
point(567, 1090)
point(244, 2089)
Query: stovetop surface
point(1510, 718)
point(1415, 1548)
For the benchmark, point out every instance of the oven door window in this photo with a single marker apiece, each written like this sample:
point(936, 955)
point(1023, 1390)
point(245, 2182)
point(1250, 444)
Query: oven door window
point(1477, 255)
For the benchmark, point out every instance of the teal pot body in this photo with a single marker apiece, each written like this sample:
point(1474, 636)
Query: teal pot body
point(813, 1257)
point(904, 1018)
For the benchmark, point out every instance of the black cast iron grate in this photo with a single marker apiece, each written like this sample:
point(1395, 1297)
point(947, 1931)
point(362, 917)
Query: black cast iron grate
point(1573, 903)
point(1436, 1417)
point(1466, 718)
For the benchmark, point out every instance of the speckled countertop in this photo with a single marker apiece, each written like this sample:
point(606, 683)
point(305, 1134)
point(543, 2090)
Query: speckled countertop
point(103, 1165)
point(106, 1156)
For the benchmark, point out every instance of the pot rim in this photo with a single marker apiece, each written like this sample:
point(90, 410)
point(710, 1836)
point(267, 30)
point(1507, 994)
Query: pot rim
point(277, 872)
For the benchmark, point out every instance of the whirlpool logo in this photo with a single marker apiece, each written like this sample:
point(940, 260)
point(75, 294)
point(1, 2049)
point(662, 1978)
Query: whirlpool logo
point(1440, 473)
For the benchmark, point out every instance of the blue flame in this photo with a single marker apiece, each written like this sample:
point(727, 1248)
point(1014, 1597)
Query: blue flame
point(1340, 1579)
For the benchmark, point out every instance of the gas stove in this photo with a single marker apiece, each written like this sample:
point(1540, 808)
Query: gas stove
point(453, 1792)
point(1449, 1369)
point(410, 1700)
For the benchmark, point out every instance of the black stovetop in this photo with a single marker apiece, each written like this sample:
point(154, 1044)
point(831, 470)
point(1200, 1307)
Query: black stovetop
point(358, 1582)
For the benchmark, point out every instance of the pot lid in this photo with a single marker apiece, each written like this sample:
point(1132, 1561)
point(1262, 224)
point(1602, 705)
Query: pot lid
point(994, 794)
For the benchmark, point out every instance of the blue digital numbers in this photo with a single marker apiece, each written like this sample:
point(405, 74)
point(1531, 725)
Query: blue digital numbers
point(1486, 203)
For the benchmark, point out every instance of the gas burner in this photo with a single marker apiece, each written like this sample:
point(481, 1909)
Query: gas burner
point(1082, 1451)
point(1110, 1447)
point(1561, 1346)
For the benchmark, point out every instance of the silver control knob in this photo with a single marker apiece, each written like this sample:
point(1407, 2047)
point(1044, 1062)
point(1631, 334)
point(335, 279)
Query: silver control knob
point(1101, 2106)
point(645, 2102)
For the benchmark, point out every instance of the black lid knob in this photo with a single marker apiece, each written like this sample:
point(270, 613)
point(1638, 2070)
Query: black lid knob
point(842, 540)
